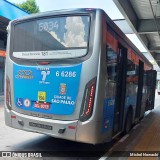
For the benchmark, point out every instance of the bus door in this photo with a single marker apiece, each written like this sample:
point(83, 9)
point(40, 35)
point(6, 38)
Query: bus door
point(140, 88)
point(121, 89)
point(151, 84)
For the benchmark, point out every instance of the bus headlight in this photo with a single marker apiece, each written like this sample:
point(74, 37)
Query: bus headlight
point(88, 101)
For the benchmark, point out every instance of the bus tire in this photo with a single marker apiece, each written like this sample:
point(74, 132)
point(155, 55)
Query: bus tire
point(128, 122)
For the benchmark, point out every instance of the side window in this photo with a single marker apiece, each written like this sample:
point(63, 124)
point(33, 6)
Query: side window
point(132, 82)
point(151, 79)
point(148, 87)
point(132, 73)
point(158, 86)
point(145, 89)
point(111, 62)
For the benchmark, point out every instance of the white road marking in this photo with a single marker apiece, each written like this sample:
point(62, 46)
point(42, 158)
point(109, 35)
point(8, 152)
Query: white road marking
point(106, 155)
point(135, 127)
point(123, 138)
point(103, 158)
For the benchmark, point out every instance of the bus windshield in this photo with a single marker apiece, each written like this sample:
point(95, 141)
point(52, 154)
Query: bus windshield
point(51, 38)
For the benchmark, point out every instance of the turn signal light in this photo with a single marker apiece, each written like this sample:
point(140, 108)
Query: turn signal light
point(88, 101)
point(8, 93)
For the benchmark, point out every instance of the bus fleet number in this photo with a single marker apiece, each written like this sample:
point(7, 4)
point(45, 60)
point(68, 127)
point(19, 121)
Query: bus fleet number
point(65, 74)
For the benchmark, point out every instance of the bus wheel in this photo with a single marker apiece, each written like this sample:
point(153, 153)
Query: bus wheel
point(128, 123)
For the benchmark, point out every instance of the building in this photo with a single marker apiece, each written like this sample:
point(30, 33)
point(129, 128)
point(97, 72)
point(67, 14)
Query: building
point(8, 11)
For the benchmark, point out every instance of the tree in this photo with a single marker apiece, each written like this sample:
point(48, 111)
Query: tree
point(29, 6)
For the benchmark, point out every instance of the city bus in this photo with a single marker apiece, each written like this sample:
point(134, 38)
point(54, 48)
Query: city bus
point(73, 74)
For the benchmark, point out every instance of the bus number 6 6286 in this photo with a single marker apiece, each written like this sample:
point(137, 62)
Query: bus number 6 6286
point(65, 74)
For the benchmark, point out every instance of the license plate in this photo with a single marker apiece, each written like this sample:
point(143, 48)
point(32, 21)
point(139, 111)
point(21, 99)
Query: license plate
point(42, 105)
point(38, 125)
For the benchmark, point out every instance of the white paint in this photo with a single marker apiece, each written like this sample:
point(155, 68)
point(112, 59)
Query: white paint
point(123, 138)
point(58, 54)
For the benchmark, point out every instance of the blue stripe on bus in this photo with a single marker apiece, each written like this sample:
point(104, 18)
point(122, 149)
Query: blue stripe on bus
point(55, 88)
point(108, 114)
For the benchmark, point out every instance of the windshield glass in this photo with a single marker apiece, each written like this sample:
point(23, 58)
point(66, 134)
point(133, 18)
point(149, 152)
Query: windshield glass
point(52, 38)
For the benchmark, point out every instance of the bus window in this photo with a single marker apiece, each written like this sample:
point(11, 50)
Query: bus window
point(158, 87)
point(51, 38)
point(151, 78)
point(110, 90)
point(111, 65)
point(145, 91)
point(112, 74)
point(131, 83)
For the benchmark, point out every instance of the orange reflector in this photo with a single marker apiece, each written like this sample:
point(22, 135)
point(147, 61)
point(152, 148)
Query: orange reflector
point(71, 127)
point(14, 117)
point(43, 63)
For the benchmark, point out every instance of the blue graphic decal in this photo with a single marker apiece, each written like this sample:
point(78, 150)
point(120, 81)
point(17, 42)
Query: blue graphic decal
point(51, 90)
point(108, 114)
